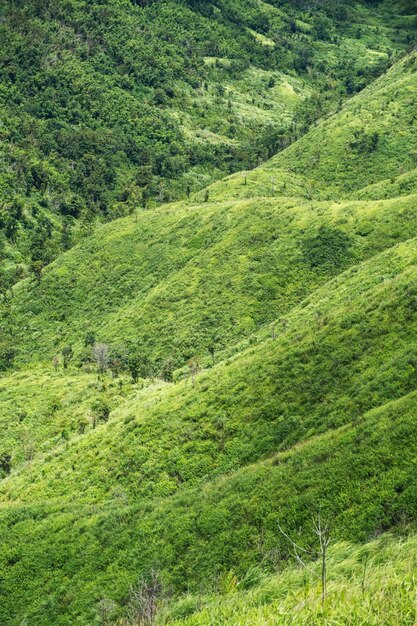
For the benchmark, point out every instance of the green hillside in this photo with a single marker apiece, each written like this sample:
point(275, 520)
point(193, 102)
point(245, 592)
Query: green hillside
point(173, 283)
point(176, 478)
point(108, 106)
point(364, 150)
point(372, 584)
point(192, 384)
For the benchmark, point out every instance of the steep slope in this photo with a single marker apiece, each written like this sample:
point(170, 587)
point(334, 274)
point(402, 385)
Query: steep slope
point(371, 584)
point(330, 353)
point(106, 105)
point(179, 281)
point(368, 144)
point(313, 410)
point(163, 473)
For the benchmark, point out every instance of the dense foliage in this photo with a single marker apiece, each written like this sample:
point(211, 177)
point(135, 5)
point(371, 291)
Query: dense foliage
point(107, 105)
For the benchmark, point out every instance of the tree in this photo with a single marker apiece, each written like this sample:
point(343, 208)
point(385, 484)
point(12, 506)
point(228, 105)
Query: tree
point(144, 600)
point(101, 356)
point(133, 363)
point(167, 370)
point(145, 197)
point(134, 370)
point(90, 338)
point(212, 351)
point(322, 530)
point(67, 355)
point(100, 411)
point(37, 267)
point(5, 464)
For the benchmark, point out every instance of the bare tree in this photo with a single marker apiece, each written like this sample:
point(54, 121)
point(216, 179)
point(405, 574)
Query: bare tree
point(105, 611)
point(323, 533)
point(144, 601)
point(101, 356)
point(194, 365)
point(67, 355)
point(28, 447)
point(322, 530)
point(364, 570)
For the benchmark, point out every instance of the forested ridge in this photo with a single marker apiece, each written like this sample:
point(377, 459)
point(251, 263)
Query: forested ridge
point(107, 106)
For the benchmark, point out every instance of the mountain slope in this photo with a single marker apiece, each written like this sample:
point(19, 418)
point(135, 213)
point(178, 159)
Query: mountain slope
point(107, 105)
point(173, 283)
point(370, 141)
point(301, 304)
point(353, 370)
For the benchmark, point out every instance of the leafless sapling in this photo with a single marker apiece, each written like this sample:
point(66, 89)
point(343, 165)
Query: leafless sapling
point(194, 366)
point(322, 530)
point(144, 600)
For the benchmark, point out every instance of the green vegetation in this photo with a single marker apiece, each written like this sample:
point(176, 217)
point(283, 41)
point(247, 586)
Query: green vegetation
point(188, 387)
point(373, 584)
point(175, 282)
point(108, 106)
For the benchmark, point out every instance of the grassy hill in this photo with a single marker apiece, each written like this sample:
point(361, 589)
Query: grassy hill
point(116, 104)
point(370, 584)
point(193, 377)
point(262, 350)
point(194, 480)
point(174, 283)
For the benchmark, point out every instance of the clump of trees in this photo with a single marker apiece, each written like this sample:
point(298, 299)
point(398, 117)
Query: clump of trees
point(114, 359)
point(364, 142)
point(327, 249)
